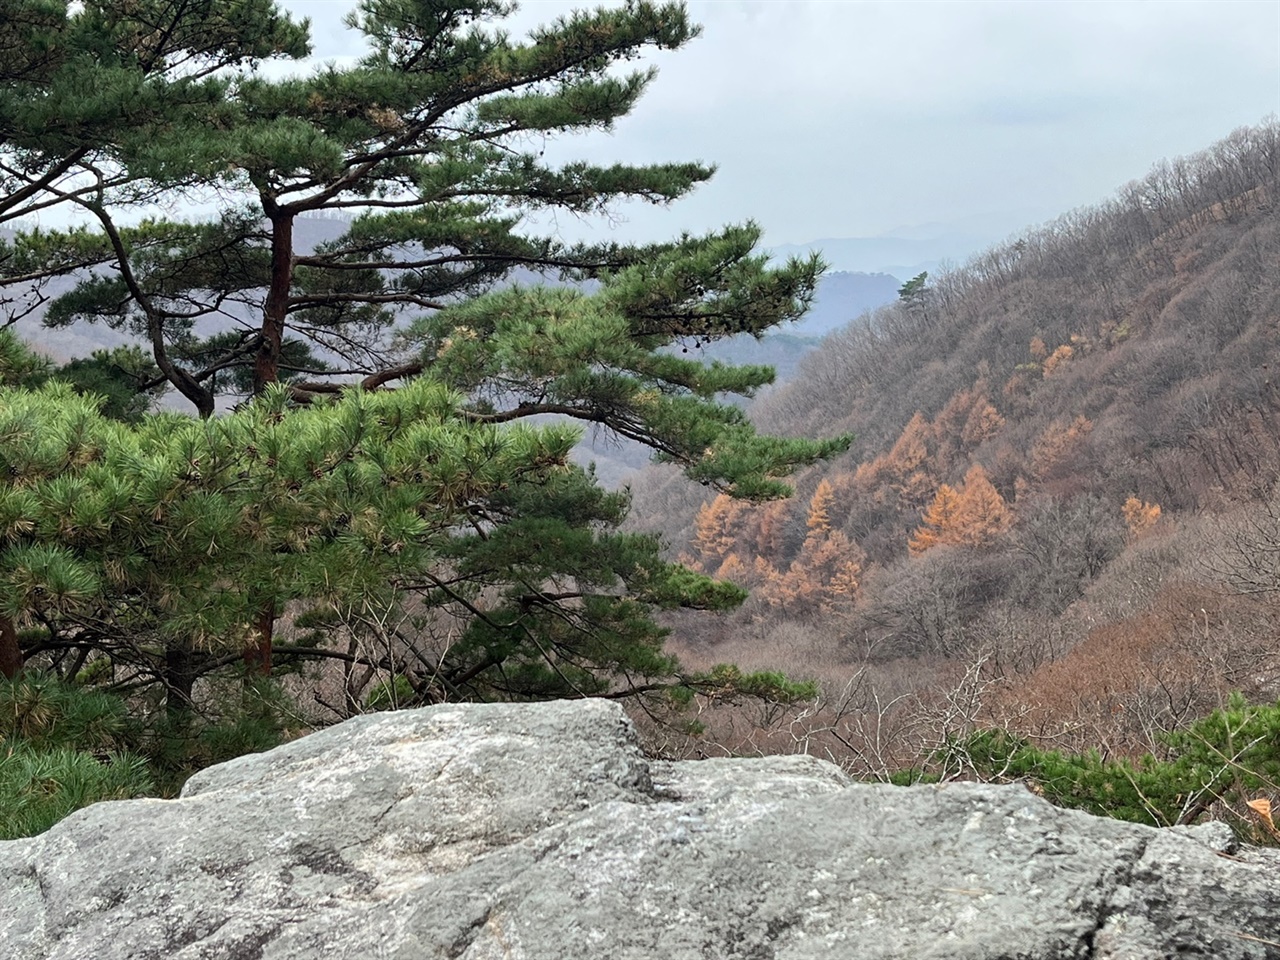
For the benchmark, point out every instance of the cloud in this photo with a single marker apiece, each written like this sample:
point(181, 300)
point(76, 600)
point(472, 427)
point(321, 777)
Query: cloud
point(832, 118)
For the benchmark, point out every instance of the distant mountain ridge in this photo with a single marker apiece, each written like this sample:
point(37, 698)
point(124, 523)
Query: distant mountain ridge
point(1153, 315)
point(842, 297)
point(902, 257)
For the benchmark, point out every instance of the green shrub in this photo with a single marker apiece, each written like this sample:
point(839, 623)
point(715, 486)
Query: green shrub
point(249, 718)
point(41, 711)
point(63, 747)
point(40, 786)
point(390, 694)
point(1217, 764)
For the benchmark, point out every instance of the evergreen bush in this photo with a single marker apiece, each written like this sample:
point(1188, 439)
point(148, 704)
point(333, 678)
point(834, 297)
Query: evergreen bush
point(1215, 766)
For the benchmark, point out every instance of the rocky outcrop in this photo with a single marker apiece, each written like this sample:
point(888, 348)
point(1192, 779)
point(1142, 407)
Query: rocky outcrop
point(542, 832)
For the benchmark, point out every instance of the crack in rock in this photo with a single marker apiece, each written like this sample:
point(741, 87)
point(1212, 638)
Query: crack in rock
point(1116, 897)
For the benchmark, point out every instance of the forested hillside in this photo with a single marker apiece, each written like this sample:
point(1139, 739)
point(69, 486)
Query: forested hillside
point(1056, 517)
point(1054, 529)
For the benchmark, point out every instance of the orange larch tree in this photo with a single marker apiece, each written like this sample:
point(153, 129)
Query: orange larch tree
point(1139, 515)
point(768, 529)
point(968, 420)
point(1059, 447)
point(972, 516)
point(907, 463)
point(983, 423)
point(735, 571)
point(827, 571)
point(940, 521)
point(715, 532)
point(819, 520)
point(1058, 358)
point(904, 472)
point(982, 515)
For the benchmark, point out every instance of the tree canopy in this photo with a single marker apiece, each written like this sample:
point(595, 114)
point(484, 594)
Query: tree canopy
point(434, 536)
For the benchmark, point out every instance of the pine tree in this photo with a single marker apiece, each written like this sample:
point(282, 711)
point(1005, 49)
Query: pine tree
point(915, 292)
point(158, 546)
point(427, 139)
point(327, 492)
point(91, 94)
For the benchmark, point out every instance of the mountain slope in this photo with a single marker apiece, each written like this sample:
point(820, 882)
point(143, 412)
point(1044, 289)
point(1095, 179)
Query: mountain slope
point(1057, 513)
point(1153, 316)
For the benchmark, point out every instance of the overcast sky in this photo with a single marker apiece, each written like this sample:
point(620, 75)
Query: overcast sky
point(854, 119)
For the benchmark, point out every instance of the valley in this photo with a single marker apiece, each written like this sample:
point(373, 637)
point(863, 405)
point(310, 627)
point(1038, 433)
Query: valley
point(1058, 517)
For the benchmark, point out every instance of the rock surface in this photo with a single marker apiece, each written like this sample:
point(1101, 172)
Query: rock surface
point(540, 831)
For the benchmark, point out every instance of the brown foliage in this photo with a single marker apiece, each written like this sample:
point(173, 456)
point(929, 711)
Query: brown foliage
point(826, 573)
point(1088, 617)
point(983, 515)
point(1056, 359)
point(940, 521)
point(973, 516)
point(968, 420)
point(716, 531)
point(1128, 682)
point(1139, 515)
point(818, 521)
point(906, 465)
point(911, 450)
point(767, 527)
point(1060, 448)
point(982, 424)
point(734, 570)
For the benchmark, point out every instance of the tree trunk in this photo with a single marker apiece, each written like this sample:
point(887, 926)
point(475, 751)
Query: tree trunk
point(10, 653)
point(179, 680)
point(266, 365)
point(257, 653)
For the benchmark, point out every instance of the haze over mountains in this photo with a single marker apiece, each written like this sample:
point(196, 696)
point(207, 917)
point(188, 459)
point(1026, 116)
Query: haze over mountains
point(842, 296)
point(902, 254)
point(81, 339)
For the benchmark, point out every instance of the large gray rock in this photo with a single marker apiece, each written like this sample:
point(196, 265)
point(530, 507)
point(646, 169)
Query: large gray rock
point(479, 832)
